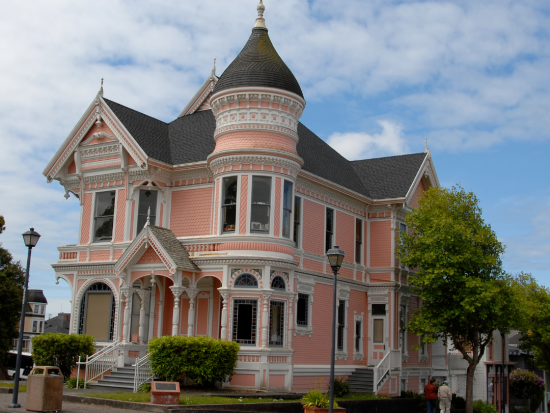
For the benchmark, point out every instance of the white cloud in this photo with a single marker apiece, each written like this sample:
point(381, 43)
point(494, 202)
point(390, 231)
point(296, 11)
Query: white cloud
point(360, 145)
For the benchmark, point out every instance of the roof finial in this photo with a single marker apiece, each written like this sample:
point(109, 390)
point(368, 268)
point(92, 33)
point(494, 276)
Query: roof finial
point(101, 89)
point(260, 21)
point(213, 69)
point(147, 223)
point(426, 150)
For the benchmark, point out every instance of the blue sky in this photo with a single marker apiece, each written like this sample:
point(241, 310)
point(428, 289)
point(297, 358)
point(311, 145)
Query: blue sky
point(378, 76)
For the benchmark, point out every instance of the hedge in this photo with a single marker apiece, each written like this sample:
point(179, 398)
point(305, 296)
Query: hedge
point(202, 359)
point(61, 350)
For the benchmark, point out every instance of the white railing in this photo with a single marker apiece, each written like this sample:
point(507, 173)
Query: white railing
point(395, 359)
point(101, 362)
point(143, 373)
point(381, 372)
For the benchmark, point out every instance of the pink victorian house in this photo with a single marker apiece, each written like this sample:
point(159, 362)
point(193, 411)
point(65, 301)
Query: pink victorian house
point(217, 224)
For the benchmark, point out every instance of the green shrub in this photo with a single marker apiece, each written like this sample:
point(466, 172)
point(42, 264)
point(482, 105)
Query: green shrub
point(71, 383)
point(201, 359)
point(458, 402)
point(483, 407)
point(314, 398)
point(61, 350)
point(527, 385)
point(341, 387)
point(144, 388)
point(420, 400)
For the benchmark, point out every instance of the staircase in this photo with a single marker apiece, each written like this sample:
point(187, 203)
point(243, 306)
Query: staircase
point(361, 381)
point(122, 378)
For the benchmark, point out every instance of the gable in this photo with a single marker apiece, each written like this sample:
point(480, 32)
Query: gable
point(99, 134)
point(149, 256)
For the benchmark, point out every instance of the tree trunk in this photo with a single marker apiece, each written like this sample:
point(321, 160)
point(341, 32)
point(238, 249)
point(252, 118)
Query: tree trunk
point(470, 386)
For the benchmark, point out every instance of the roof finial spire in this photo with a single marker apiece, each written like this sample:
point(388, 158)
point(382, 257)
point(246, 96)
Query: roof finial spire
point(101, 88)
point(260, 21)
point(147, 223)
point(426, 150)
point(213, 69)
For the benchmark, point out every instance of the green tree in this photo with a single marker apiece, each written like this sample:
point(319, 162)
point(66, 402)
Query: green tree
point(535, 329)
point(456, 269)
point(12, 278)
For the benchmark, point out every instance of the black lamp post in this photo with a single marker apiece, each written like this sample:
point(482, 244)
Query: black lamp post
point(31, 238)
point(502, 373)
point(335, 257)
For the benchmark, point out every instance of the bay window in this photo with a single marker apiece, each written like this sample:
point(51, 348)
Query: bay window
point(287, 208)
point(261, 204)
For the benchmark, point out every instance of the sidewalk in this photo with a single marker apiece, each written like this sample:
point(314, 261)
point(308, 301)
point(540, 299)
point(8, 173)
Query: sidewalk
point(5, 399)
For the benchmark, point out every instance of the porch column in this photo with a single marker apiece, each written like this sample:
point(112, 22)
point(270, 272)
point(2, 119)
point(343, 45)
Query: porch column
point(265, 319)
point(143, 298)
point(290, 323)
point(126, 322)
point(177, 291)
point(192, 293)
point(225, 296)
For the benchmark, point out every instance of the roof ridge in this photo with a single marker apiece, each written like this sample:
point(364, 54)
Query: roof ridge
point(388, 157)
point(133, 110)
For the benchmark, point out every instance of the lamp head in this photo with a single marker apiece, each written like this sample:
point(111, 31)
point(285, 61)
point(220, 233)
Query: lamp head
point(335, 257)
point(31, 238)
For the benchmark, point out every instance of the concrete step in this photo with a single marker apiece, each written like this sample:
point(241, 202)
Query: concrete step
point(125, 386)
point(121, 375)
point(117, 379)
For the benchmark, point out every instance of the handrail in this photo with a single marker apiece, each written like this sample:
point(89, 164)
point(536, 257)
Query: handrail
point(381, 370)
point(100, 362)
point(143, 372)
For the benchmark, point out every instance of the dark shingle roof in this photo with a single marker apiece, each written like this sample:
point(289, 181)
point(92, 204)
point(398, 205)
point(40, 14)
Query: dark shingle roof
point(190, 138)
point(322, 160)
point(174, 248)
point(36, 296)
point(258, 64)
point(389, 177)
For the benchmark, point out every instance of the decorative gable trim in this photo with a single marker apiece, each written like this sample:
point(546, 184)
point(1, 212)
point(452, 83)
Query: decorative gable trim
point(427, 174)
point(97, 112)
point(200, 100)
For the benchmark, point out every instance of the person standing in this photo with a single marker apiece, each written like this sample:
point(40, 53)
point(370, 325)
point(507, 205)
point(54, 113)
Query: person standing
point(445, 396)
point(430, 393)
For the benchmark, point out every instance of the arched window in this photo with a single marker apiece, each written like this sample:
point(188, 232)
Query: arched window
point(97, 312)
point(278, 283)
point(246, 281)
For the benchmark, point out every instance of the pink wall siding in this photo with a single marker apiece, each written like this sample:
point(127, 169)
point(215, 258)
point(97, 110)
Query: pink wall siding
point(120, 215)
point(86, 219)
point(345, 235)
point(313, 228)
point(149, 256)
point(217, 208)
point(413, 383)
point(247, 380)
point(243, 205)
point(202, 317)
point(276, 380)
point(380, 244)
point(184, 314)
point(191, 210)
point(417, 193)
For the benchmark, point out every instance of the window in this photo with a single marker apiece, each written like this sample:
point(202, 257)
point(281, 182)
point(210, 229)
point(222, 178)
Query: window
point(422, 385)
point(276, 323)
point(297, 219)
point(246, 281)
point(358, 239)
point(35, 326)
point(41, 327)
point(147, 202)
point(379, 309)
point(229, 204)
point(278, 283)
point(245, 314)
point(287, 208)
point(97, 310)
point(402, 330)
point(341, 324)
point(302, 311)
point(36, 309)
point(358, 329)
point(329, 228)
point(104, 215)
point(42, 308)
point(378, 330)
point(261, 200)
point(403, 384)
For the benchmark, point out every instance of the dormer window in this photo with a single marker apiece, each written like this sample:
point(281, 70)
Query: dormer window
point(229, 204)
point(246, 281)
point(261, 203)
point(147, 202)
point(104, 215)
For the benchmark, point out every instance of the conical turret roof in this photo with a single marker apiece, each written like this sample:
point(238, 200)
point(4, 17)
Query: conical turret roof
point(258, 64)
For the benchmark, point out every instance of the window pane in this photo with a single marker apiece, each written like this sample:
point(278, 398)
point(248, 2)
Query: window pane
point(105, 203)
point(229, 190)
point(301, 313)
point(259, 218)
point(286, 223)
point(261, 190)
point(287, 197)
point(297, 215)
point(244, 321)
point(244, 327)
point(329, 228)
point(103, 229)
point(276, 323)
point(379, 309)
point(358, 336)
point(229, 203)
point(147, 199)
point(378, 331)
point(229, 217)
point(341, 323)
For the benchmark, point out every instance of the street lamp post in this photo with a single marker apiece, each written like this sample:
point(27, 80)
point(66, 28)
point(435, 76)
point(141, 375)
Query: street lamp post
point(502, 373)
point(335, 257)
point(31, 238)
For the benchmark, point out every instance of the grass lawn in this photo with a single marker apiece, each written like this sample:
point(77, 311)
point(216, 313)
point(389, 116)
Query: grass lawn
point(193, 400)
point(22, 387)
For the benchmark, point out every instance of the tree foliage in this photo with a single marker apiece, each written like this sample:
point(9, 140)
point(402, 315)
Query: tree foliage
point(525, 384)
point(535, 329)
point(202, 359)
point(61, 350)
point(12, 279)
point(456, 269)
